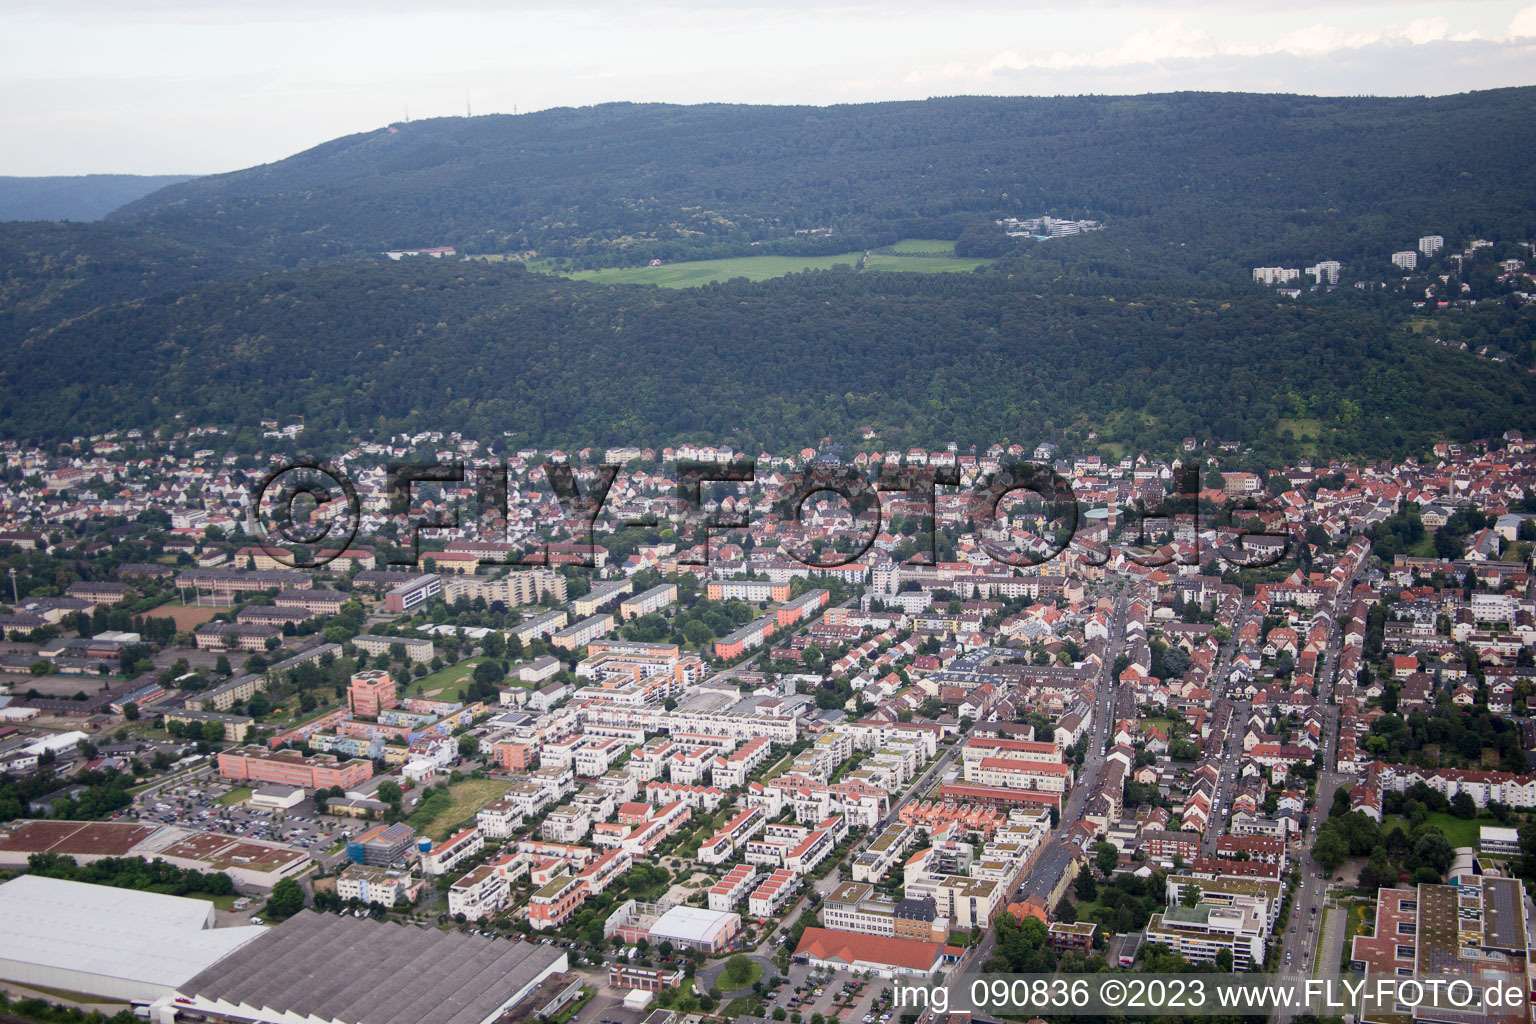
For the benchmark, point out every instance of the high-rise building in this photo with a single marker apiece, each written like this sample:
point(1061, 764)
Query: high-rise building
point(1407, 259)
point(370, 692)
point(1326, 271)
point(1431, 244)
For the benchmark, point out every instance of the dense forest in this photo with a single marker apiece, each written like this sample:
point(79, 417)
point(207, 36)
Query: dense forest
point(261, 293)
point(495, 350)
point(1209, 182)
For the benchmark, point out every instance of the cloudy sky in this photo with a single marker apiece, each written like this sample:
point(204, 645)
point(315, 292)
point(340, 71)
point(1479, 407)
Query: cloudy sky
point(167, 86)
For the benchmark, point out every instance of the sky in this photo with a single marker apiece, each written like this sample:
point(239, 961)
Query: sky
point(173, 87)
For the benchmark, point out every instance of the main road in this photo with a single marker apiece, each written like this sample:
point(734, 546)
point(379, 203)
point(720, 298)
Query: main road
point(1299, 949)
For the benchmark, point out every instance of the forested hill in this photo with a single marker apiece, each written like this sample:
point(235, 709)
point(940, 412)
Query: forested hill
point(1202, 183)
point(491, 349)
point(79, 197)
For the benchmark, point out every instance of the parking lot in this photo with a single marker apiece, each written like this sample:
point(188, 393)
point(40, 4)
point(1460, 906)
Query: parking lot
point(812, 991)
point(195, 804)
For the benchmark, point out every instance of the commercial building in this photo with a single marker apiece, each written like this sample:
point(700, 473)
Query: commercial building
point(347, 970)
point(645, 979)
point(1474, 929)
point(888, 958)
point(1493, 841)
point(711, 931)
point(382, 845)
point(119, 944)
point(291, 768)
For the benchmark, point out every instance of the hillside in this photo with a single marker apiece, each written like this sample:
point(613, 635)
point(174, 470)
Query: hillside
point(1204, 184)
point(924, 358)
point(261, 293)
point(80, 197)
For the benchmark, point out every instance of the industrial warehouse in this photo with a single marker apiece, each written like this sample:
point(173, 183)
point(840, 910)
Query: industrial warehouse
point(116, 943)
point(345, 970)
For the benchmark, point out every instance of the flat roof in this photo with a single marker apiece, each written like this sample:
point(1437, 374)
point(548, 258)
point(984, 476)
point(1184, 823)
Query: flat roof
point(155, 940)
point(360, 970)
point(692, 923)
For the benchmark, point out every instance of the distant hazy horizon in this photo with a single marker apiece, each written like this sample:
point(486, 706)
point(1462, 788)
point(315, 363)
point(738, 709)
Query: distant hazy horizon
point(167, 86)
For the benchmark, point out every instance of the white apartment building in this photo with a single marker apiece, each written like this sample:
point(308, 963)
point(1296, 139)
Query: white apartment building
point(478, 894)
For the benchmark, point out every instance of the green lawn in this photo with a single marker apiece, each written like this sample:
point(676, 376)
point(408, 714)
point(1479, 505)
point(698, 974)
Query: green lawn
point(739, 973)
point(225, 902)
point(1460, 831)
point(238, 795)
point(922, 245)
point(923, 264)
point(692, 273)
point(436, 817)
point(450, 681)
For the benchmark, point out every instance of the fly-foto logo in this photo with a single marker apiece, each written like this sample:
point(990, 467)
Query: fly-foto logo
point(337, 514)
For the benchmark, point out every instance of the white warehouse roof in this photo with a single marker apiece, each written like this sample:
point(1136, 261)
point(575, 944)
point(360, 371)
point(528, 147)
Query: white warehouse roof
point(691, 924)
point(107, 941)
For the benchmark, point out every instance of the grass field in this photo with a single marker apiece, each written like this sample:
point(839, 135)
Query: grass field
point(436, 818)
point(923, 264)
point(238, 795)
point(1460, 831)
point(692, 273)
point(444, 684)
point(923, 245)
point(1304, 430)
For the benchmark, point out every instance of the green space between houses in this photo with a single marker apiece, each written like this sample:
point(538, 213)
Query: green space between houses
point(1460, 831)
point(438, 814)
point(937, 257)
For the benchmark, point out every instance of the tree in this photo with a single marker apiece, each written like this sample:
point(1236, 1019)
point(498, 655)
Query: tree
point(131, 711)
point(389, 792)
point(258, 706)
point(287, 899)
point(1435, 851)
point(1329, 851)
point(469, 746)
point(212, 732)
point(1087, 886)
point(1106, 858)
point(1462, 804)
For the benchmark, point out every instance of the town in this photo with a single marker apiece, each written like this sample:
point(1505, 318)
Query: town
point(659, 776)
